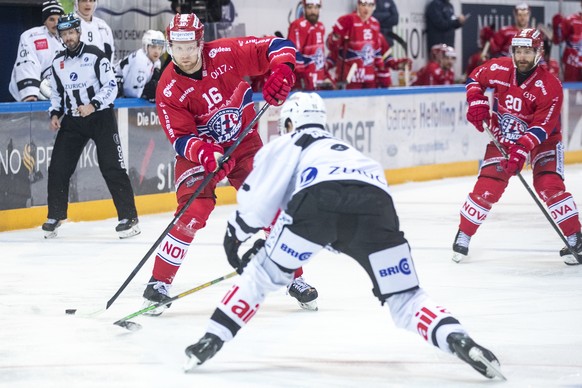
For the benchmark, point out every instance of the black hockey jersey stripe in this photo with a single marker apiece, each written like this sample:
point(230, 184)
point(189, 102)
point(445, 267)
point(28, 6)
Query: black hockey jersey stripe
point(305, 140)
point(91, 92)
point(77, 96)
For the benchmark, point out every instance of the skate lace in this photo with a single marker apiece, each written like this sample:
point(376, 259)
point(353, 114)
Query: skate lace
point(463, 239)
point(573, 240)
point(162, 288)
point(300, 285)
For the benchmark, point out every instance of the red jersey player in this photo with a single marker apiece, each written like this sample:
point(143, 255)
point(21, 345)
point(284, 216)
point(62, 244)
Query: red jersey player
point(440, 70)
point(569, 30)
point(482, 54)
point(383, 76)
point(501, 41)
point(354, 42)
point(526, 121)
point(204, 104)
point(307, 34)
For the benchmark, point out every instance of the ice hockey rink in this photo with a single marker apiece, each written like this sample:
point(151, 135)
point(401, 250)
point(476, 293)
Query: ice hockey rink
point(514, 295)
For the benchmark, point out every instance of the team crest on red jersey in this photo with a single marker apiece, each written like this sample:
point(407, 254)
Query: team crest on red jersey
point(224, 125)
point(511, 127)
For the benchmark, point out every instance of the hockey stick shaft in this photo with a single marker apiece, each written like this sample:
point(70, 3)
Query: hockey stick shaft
point(531, 192)
point(204, 183)
point(172, 299)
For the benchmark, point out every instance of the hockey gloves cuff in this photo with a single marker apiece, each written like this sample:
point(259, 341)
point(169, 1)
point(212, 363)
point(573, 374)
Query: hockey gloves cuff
point(231, 246)
point(206, 154)
point(279, 84)
point(478, 112)
point(517, 154)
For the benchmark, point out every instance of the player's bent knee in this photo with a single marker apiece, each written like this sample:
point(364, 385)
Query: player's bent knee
point(393, 271)
point(548, 185)
point(289, 250)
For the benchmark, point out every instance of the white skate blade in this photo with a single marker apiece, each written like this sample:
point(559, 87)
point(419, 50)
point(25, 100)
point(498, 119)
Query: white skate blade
point(191, 364)
point(133, 231)
point(493, 369)
point(155, 312)
point(458, 257)
point(309, 306)
point(49, 235)
point(569, 259)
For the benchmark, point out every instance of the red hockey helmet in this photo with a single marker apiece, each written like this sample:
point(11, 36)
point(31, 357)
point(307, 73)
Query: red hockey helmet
point(436, 51)
point(184, 28)
point(529, 37)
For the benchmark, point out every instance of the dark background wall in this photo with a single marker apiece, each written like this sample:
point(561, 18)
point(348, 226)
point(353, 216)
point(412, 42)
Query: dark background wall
point(15, 18)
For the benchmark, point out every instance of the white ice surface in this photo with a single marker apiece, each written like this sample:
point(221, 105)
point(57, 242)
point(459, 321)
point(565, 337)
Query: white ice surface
point(514, 295)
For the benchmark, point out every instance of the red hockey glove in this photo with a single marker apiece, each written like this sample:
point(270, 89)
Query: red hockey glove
point(400, 64)
point(486, 33)
point(477, 112)
point(278, 85)
point(515, 160)
point(206, 154)
point(225, 169)
point(518, 154)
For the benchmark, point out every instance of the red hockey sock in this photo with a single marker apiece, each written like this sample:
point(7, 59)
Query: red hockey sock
point(564, 211)
point(170, 254)
point(298, 273)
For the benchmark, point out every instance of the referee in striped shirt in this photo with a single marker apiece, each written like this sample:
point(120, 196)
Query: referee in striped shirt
point(83, 91)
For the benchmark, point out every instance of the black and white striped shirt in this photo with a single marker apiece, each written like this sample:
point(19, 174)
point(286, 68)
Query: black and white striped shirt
point(79, 78)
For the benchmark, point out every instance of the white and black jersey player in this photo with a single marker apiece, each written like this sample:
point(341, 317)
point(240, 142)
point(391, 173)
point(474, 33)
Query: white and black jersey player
point(36, 49)
point(95, 31)
point(140, 70)
point(84, 89)
point(331, 195)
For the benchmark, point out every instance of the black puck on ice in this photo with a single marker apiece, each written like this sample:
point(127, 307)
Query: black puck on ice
point(70, 311)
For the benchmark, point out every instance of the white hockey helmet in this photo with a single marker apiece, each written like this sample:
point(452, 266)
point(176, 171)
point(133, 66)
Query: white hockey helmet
point(152, 37)
point(302, 109)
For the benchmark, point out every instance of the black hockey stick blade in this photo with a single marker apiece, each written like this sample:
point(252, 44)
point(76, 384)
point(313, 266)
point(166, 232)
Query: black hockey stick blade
point(127, 324)
point(204, 183)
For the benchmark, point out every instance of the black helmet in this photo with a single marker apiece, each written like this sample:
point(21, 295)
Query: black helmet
point(68, 21)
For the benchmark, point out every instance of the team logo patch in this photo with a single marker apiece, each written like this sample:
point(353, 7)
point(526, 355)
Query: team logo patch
point(511, 127)
point(367, 55)
point(224, 124)
point(307, 176)
point(41, 44)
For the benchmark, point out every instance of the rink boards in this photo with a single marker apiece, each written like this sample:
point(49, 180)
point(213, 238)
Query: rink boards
point(416, 133)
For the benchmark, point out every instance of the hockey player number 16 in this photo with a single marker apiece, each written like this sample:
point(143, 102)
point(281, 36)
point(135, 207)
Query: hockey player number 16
point(212, 98)
point(513, 103)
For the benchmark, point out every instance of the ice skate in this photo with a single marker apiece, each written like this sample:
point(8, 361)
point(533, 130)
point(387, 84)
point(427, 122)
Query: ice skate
point(156, 292)
point(461, 247)
point(305, 294)
point(50, 228)
point(128, 228)
point(481, 359)
point(201, 351)
point(575, 241)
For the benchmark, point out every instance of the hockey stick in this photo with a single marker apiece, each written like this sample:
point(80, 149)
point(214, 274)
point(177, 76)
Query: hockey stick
point(397, 38)
point(132, 326)
point(204, 183)
point(342, 83)
point(533, 195)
